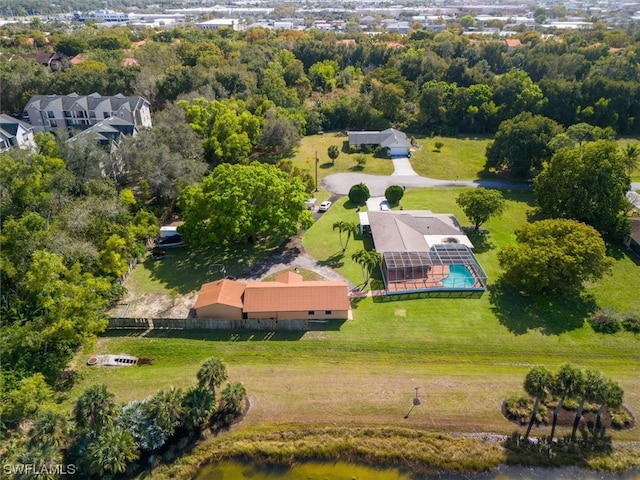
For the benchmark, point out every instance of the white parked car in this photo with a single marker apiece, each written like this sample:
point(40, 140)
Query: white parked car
point(324, 206)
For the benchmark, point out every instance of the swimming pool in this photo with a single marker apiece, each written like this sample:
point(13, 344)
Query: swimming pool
point(459, 277)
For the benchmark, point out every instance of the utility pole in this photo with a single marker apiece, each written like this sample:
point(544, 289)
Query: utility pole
point(317, 160)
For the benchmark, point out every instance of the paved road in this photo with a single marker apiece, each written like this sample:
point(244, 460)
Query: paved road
point(340, 183)
point(403, 174)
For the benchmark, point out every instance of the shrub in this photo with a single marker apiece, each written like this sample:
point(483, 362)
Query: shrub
point(605, 321)
point(439, 145)
point(620, 419)
point(359, 193)
point(394, 194)
point(631, 322)
point(353, 149)
point(361, 160)
point(519, 408)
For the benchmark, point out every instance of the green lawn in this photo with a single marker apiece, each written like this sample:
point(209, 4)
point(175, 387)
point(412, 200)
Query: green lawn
point(461, 158)
point(465, 355)
point(305, 155)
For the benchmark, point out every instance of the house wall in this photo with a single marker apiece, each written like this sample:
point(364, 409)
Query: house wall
point(219, 311)
point(300, 315)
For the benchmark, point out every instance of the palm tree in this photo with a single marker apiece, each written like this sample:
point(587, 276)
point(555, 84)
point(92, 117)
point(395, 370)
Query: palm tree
point(232, 399)
point(95, 408)
point(632, 154)
point(212, 374)
point(593, 382)
point(612, 395)
point(567, 384)
point(367, 259)
point(45, 458)
point(198, 406)
point(538, 384)
point(333, 151)
point(111, 452)
point(349, 228)
point(166, 409)
point(49, 428)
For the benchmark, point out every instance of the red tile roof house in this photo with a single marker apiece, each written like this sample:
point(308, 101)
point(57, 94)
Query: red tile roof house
point(289, 297)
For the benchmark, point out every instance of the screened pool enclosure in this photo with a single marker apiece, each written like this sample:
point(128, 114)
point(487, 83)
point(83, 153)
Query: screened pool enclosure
point(445, 267)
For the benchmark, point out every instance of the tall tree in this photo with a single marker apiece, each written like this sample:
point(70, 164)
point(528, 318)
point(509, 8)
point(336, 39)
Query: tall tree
point(212, 374)
point(349, 228)
point(567, 384)
point(554, 256)
point(368, 260)
point(611, 395)
point(521, 144)
point(243, 203)
point(111, 453)
point(95, 408)
point(49, 428)
point(232, 398)
point(537, 383)
point(198, 405)
point(587, 184)
point(480, 204)
point(593, 384)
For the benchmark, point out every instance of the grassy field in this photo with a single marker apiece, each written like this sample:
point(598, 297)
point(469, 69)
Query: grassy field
point(460, 158)
point(465, 356)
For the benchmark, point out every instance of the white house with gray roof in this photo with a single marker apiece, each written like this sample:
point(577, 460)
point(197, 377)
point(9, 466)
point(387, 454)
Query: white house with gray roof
point(49, 112)
point(394, 140)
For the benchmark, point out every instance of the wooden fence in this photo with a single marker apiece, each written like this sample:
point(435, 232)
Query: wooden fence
point(214, 324)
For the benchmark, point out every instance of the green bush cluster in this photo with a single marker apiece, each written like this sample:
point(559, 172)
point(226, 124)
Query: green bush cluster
point(610, 321)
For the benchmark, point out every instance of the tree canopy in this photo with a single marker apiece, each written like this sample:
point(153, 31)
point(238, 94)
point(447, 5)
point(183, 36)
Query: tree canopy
point(521, 144)
point(554, 256)
point(480, 204)
point(243, 203)
point(588, 184)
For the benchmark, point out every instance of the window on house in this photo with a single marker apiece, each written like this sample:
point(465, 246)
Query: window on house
point(67, 113)
point(50, 114)
point(311, 312)
point(106, 114)
point(327, 312)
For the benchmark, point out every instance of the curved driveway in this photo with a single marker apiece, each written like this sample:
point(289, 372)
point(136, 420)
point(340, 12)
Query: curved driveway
point(340, 183)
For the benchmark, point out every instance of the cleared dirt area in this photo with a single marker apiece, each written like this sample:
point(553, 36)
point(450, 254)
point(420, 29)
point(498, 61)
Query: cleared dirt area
point(154, 305)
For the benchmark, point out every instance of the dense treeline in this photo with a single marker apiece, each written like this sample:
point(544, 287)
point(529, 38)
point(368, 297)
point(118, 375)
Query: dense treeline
point(428, 82)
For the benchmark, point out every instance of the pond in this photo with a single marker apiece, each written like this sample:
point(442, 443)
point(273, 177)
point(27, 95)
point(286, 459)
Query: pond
point(238, 470)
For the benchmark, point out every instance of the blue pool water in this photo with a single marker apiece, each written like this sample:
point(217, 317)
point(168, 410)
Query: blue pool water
point(459, 277)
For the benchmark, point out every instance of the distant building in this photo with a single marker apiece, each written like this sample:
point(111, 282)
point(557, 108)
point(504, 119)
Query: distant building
point(15, 133)
point(110, 16)
point(237, 24)
point(73, 111)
